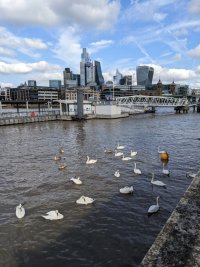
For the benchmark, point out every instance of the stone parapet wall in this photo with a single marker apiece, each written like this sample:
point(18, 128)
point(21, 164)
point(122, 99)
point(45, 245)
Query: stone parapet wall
point(178, 243)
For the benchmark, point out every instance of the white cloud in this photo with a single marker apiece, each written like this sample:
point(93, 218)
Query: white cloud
point(34, 43)
point(195, 52)
point(6, 51)
point(2, 85)
point(101, 14)
point(26, 67)
point(194, 6)
point(68, 49)
point(147, 10)
point(26, 46)
point(43, 78)
point(96, 46)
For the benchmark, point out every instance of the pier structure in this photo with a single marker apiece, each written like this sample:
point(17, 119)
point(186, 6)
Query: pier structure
point(136, 101)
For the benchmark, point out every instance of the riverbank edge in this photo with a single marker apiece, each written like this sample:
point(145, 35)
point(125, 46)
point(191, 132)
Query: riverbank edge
point(43, 118)
point(178, 243)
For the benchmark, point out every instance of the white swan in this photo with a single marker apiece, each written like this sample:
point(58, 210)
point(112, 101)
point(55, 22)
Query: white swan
point(120, 147)
point(156, 182)
point(117, 173)
point(91, 161)
point(53, 215)
point(126, 158)
point(161, 151)
point(165, 171)
point(76, 180)
point(20, 211)
point(136, 171)
point(118, 154)
point(133, 153)
point(154, 208)
point(84, 200)
point(126, 190)
point(191, 175)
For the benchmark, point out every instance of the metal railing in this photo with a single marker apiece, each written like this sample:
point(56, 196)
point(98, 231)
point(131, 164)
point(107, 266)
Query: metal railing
point(156, 101)
point(25, 114)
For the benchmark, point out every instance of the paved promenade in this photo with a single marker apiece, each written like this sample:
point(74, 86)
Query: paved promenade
point(178, 243)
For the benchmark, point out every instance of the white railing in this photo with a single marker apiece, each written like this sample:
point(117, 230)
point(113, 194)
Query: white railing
point(151, 101)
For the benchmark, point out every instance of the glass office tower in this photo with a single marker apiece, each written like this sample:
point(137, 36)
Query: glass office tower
point(144, 75)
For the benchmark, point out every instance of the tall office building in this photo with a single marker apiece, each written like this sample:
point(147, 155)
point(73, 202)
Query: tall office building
point(144, 75)
point(98, 73)
point(55, 83)
point(32, 83)
point(90, 72)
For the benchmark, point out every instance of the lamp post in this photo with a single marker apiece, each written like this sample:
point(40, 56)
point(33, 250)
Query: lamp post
point(113, 91)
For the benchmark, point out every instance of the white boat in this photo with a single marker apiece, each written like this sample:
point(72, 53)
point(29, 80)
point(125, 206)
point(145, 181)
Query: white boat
point(84, 200)
point(126, 190)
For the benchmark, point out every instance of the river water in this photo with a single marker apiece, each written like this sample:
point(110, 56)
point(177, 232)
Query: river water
point(113, 231)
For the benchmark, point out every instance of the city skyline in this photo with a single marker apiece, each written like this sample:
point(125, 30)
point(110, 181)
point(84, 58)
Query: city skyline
point(38, 41)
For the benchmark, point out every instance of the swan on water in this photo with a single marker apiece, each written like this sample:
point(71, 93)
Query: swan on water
point(161, 151)
point(136, 171)
point(61, 150)
point(62, 166)
point(133, 153)
point(126, 190)
point(118, 154)
point(57, 157)
point(76, 180)
point(154, 208)
point(108, 151)
point(126, 158)
point(117, 173)
point(165, 171)
point(20, 211)
point(120, 147)
point(191, 175)
point(156, 182)
point(53, 215)
point(84, 200)
point(90, 161)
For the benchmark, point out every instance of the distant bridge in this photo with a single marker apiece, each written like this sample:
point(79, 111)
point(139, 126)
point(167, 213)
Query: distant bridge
point(151, 101)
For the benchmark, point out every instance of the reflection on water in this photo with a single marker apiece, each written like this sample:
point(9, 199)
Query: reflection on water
point(115, 230)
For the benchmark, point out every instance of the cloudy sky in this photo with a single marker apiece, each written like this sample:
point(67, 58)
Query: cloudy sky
point(38, 39)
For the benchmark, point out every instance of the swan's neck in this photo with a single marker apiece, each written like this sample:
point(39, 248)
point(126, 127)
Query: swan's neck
point(157, 201)
point(152, 177)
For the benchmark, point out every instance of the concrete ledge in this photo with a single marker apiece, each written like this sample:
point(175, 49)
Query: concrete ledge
point(178, 243)
point(117, 116)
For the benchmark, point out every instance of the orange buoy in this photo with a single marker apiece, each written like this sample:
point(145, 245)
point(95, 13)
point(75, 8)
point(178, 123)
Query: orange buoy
point(164, 156)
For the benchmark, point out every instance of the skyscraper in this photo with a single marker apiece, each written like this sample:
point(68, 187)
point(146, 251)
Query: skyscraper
point(90, 72)
point(144, 75)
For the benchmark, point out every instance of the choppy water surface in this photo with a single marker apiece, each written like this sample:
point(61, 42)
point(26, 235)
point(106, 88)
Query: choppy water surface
point(115, 230)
